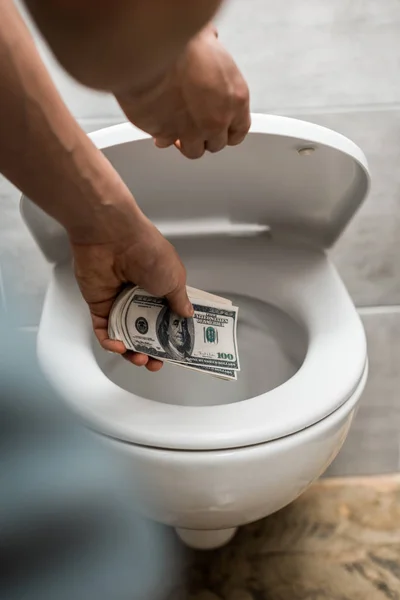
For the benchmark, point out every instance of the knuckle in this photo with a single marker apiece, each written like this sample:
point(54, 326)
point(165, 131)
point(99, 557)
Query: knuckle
point(241, 96)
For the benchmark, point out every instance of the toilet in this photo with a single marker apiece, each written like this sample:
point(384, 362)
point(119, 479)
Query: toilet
point(252, 223)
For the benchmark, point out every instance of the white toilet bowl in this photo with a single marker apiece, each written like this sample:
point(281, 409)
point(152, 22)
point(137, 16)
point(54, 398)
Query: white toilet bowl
point(252, 224)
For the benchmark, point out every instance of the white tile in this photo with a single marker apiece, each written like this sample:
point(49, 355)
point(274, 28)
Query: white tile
point(320, 53)
point(25, 272)
point(373, 442)
point(366, 452)
point(367, 253)
point(383, 388)
point(315, 54)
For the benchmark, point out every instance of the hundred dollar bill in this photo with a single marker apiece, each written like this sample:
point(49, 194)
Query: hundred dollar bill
point(206, 339)
point(201, 295)
point(228, 374)
point(206, 342)
point(120, 308)
point(117, 313)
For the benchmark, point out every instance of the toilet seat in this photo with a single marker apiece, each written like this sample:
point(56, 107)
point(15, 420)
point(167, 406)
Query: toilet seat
point(300, 180)
point(300, 281)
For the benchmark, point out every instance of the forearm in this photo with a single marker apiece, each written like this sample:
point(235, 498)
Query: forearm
point(121, 45)
point(43, 151)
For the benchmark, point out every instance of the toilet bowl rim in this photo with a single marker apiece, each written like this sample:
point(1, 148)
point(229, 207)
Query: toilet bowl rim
point(339, 414)
point(155, 410)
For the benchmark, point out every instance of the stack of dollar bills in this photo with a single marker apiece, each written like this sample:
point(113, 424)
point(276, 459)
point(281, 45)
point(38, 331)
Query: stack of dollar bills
point(206, 342)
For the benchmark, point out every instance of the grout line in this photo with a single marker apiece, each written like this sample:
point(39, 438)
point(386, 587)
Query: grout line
point(326, 109)
point(378, 310)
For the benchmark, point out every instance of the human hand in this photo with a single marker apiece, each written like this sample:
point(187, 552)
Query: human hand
point(124, 247)
point(202, 103)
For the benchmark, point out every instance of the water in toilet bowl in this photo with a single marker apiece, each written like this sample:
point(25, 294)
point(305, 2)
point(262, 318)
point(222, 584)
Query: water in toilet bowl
point(272, 349)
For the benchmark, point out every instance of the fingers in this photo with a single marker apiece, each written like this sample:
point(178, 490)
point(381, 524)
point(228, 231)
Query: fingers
point(164, 142)
point(239, 127)
point(217, 133)
point(217, 143)
point(154, 365)
point(214, 137)
point(141, 360)
point(192, 149)
point(100, 328)
point(232, 134)
point(179, 302)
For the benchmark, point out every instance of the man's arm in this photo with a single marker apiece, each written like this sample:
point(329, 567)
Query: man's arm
point(162, 61)
point(201, 103)
point(43, 151)
point(120, 45)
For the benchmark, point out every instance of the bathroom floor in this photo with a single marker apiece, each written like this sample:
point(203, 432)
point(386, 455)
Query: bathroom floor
point(339, 541)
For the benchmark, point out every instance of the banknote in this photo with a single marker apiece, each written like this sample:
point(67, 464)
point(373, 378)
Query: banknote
point(214, 372)
point(206, 342)
point(206, 339)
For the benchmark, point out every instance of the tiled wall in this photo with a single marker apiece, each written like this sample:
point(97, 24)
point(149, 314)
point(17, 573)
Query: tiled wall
point(334, 63)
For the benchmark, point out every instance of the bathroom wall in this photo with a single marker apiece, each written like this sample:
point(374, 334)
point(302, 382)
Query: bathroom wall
point(333, 63)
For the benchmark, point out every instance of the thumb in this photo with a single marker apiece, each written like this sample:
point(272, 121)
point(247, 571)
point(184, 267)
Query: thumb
point(179, 302)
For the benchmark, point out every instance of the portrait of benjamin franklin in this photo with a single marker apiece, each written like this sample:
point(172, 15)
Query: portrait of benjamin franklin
point(175, 334)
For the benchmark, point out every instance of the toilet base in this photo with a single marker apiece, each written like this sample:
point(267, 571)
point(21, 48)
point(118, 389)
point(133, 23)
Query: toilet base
point(206, 539)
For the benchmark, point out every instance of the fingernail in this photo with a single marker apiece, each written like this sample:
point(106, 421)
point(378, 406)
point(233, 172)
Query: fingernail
point(190, 309)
